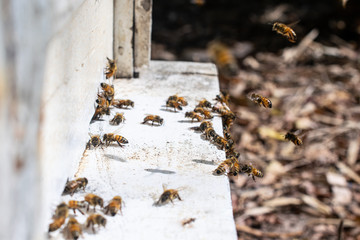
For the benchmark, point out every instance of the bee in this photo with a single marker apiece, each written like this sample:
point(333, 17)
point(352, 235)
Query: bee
point(120, 103)
point(250, 170)
point(176, 98)
point(232, 153)
point(94, 141)
point(188, 221)
point(77, 205)
point(109, 91)
point(223, 98)
point(153, 118)
point(102, 101)
point(207, 114)
point(93, 200)
point(227, 134)
point(284, 30)
point(95, 219)
point(210, 133)
point(111, 137)
point(204, 104)
point(193, 115)
point(72, 186)
point(220, 108)
point(223, 58)
point(56, 224)
point(173, 104)
point(99, 111)
point(114, 206)
point(260, 100)
point(222, 142)
point(205, 125)
point(294, 138)
point(168, 195)
point(74, 228)
point(118, 118)
point(235, 169)
point(62, 210)
point(110, 68)
point(224, 167)
point(228, 120)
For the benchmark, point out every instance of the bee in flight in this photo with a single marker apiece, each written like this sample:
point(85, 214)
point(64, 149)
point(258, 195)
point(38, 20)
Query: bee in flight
point(93, 200)
point(74, 185)
point(260, 100)
point(74, 228)
point(285, 30)
point(114, 206)
point(293, 138)
point(153, 118)
point(111, 137)
point(118, 118)
point(95, 219)
point(250, 170)
point(168, 195)
point(110, 68)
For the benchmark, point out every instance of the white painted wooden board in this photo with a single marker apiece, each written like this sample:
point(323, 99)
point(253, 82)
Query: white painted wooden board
point(170, 154)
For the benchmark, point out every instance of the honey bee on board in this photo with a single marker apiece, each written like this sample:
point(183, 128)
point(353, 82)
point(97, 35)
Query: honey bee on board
point(207, 114)
point(153, 119)
point(109, 91)
point(74, 185)
point(93, 200)
point(102, 101)
point(235, 169)
point(204, 104)
point(56, 224)
point(222, 142)
point(74, 229)
point(111, 137)
point(210, 133)
point(114, 206)
point(223, 98)
point(95, 219)
point(205, 125)
point(121, 103)
point(224, 167)
point(293, 138)
point(94, 141)
point(168, 196)
point(188, 221)
point(232, 153)
point(285, 31)
point(250, 170)
point(220, 108)
point(224, 59)
point(260, 100)
point(173, 104)
point(110, 68)
point(176, 98)
point(59, 217)
point(99, 112)
point(193, 115)
point(118, 118)
point(77, 205)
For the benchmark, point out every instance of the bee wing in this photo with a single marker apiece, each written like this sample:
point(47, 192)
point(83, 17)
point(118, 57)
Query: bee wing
point(293, 23)
point(164, 186)
point(118, 130)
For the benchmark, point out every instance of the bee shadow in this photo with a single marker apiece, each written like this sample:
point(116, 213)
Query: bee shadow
point(169, 110)
point(97, 120)
point(187, 121)
point(153, 125)
point(204, 162)
point(113, 157)
point(159, 171)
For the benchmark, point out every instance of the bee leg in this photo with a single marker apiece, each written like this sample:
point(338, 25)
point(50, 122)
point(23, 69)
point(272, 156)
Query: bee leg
point(253, 177)
point(74, 211)
point(178, 196)
point(106, 209)
point(80, 212)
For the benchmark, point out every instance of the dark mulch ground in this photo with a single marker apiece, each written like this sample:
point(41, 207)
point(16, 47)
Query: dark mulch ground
point(314, 86)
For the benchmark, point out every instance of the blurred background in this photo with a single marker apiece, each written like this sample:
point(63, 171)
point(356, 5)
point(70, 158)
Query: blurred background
point(314, 86)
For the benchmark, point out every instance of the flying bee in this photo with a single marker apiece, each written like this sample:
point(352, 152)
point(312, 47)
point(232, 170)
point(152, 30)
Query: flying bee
point(99, 112)
point(114, 206)
point(260, 100)
point(173, 104)
point(224, 59)
point(210, 133)
point(207, 114)
point(77, 205)
point(95, 219)
point(205, 125)
point(204, 104)
point(118, 118)
point(109, 91)
point(193, 115)
point(120, 103)
point(110, 68)
point(74, 228)
point(176, 98)
point(223, 98)
point(284, 30)
point(168, 195)
point(250, 170)
point(224, 167)
point(93, 200)
point(111, 137)
point(62, 210)
point(293, 138)
point(153, 118)
point(222, 142)
point(94, 141)
point(56, 224)
point(72, 186)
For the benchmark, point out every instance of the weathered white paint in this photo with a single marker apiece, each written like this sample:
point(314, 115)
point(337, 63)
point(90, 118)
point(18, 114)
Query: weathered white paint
point(170, 154)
